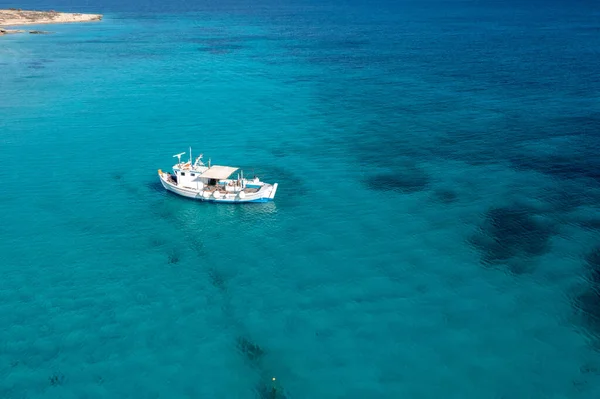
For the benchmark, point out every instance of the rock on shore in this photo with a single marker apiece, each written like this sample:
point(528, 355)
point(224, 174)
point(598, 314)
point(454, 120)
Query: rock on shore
point(20, 17)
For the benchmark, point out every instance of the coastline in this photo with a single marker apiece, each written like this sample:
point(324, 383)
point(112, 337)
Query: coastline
point(18, 17)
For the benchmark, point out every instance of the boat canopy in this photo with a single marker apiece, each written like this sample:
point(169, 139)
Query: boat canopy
point(218, 172)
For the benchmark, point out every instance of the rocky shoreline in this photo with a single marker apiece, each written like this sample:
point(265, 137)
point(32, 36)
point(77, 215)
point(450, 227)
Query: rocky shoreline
point(9, 31)
point(11, 17)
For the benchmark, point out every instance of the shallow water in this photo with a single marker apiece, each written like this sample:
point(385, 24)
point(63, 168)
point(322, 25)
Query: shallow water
point(434, 232)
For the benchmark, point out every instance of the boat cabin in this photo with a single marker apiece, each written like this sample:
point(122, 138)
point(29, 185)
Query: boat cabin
point(205, 177)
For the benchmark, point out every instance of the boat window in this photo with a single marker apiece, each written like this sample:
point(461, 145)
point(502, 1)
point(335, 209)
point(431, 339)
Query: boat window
point(192, 174)
point(182, 173)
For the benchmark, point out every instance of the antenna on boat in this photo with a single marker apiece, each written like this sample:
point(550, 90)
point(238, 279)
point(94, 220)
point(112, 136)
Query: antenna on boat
point(198, 160)
point(191, 159)
point(179, 156)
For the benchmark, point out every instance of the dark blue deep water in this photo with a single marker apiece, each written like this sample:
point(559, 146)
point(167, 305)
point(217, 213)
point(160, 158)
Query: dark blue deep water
point(436, 233)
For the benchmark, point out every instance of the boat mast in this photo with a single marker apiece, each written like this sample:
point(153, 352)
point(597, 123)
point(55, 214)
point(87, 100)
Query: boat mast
point(178, 157)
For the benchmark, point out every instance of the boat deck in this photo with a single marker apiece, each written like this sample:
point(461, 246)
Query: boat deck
point(211, 189)
point(221, 188)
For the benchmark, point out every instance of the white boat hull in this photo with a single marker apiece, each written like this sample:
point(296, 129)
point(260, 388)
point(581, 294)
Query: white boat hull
point(266, 192)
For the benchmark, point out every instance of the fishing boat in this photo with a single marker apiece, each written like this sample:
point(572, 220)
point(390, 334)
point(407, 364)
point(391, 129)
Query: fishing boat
point(214, 183)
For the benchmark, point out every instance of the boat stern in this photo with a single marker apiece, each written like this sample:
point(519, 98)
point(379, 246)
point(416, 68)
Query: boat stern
point(273, 191)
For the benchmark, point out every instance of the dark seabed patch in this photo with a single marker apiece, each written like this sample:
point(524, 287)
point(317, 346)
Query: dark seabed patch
point(101, 41)
point(513, 235)
point(279, 152)
point(592, 223)
point(408, 180)
point(197, 246)
point(249, 349)
point(587, 304)
point(386, 145)
point(567, 196)
point(296, 80)
point(155, 186)
point(588, 124)
point(220, 45)
point(129, 189)
point(445, 196)
point(587, 370)
point(288, 181)
point(222, 37)
point(593, 262)
point(269, 389)
point(35, 65)
point(217, 279)
point(564, 148)
point(470, 147)
point(165, 211)
point(38, 63)
point(156, 242)
point(219, 50)
point(173, 256)
point(559, 165)
point(57, 379)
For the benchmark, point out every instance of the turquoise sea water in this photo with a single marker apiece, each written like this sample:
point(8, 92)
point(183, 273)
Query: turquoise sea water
point(435, 232)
